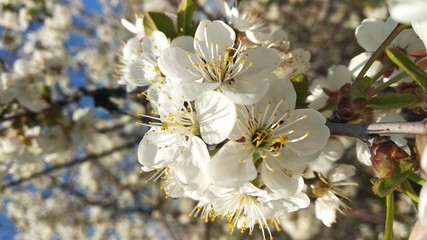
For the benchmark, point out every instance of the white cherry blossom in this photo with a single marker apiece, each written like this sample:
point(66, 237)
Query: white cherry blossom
point(411, 12)
point(269, 138)
point(247, 206)
point(175, 139)
point(219, 63)
point(139, 61)
point(330, 193)
point(371, 33)
point(245, 20)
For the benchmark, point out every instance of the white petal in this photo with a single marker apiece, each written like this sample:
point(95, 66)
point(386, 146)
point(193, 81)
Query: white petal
point(424, 161)
point(333, 150)
point(175, 63)
point(30, 99)
point(283, 174)
point(244, 91)
point(279, 90)
point(240, 127)
point(258, 37)
point(369, 34)
point(147, 154)
point(191, 166)
point(356, 64)
point(317, 102)
point(261, 61)
point(157, 148)
point(129, 26)
point(314, 126)
point(341, 172)
point(420, 28)
point(216, 115)
point(223, 7)
point(156, 43)
point(422, 206)
point(232, 165)
point(337, 77)
point(213, 38)
point(131, 48)
point(363, 153)
point(409, 11)
point(325, 209)
point(293, 203)
point(135, 74)
point(189, 91)
point(184, 42)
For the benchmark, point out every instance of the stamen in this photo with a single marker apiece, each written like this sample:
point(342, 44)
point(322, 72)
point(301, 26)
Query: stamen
point(307, 134)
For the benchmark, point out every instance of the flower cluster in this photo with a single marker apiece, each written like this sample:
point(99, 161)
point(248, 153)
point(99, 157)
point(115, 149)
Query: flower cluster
point(225, 129)
point(230, 117)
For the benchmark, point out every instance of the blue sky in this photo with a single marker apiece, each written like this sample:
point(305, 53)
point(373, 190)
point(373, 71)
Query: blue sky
point(8, 229)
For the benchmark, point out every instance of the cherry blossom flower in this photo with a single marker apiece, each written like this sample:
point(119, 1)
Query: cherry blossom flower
point(24, 85)
point(293, 63)
point(329, 193)
point(371, 33)
point(245, 20)
point(139, 61)
point(175, 138)
point(238, 72)
point(270, 137)
point(411, 12)
point(247, 206)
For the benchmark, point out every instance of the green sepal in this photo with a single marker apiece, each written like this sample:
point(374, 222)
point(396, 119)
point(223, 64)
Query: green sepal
point(300, 83)
point(407, 65)
point(385, 186)
point(362, 88)
point(185, 14)
point(161, 22)
point(394, 101)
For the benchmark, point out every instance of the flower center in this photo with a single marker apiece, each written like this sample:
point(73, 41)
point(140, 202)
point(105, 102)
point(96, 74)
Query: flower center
point(268, 131)
point(218, 66)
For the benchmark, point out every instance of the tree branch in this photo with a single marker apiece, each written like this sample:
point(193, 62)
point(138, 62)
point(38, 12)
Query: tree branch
point(72, 163)
point(366, 131)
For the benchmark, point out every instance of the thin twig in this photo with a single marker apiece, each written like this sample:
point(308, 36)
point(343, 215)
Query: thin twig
point(72, 163)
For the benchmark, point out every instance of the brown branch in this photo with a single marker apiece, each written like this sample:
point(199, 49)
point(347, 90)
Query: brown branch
point(102, 203)
point(367, 131)
point(69, 164)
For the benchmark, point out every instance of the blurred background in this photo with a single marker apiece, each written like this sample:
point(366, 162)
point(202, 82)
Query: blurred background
point(68, 139)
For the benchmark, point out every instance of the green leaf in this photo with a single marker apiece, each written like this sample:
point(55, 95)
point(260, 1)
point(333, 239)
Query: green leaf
point(185, 15)
point(159, 21)
point(362, 88)
point(300, 83)
point(407, 65)
point(394, 101)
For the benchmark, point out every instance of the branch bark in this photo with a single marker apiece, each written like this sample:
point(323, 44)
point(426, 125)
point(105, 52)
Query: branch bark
point(367, 131)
